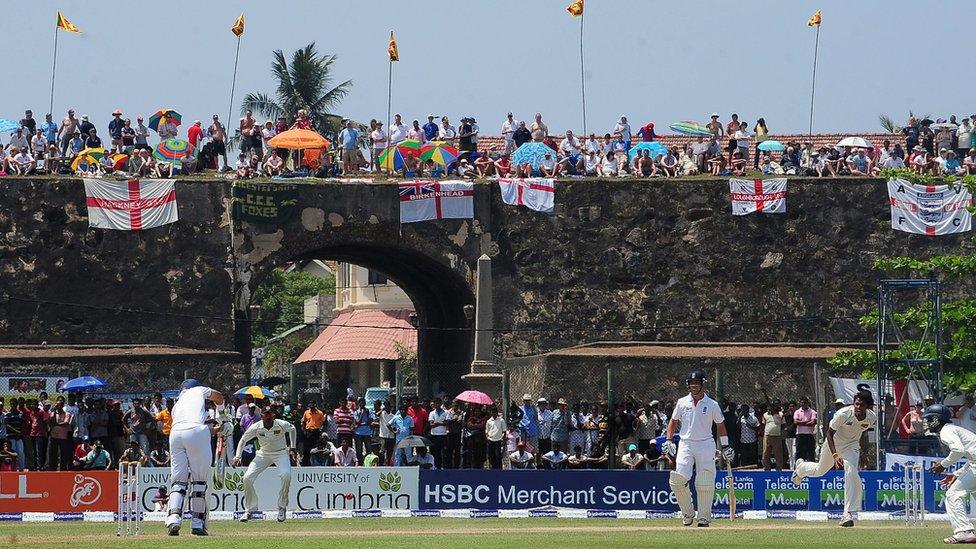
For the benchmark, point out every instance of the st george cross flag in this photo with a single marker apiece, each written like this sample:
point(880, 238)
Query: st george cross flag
point(131, 205)
point(426, 200)
point(535, 194)
point(929, 209)
point(757, 195)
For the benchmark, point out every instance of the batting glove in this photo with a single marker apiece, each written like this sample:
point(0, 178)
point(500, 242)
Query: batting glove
point(669, 448)
point(728, 453)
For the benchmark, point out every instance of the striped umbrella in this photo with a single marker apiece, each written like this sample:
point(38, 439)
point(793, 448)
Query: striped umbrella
point(172, 150)
point(409, 147)
point(393, 158)
point(687, 127)
point(438, 151)
point(256, 392)
point(163, 116)
point(88, 156)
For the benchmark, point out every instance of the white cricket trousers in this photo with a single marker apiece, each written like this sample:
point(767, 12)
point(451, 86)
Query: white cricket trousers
point(697, 455)
point(263, 460)
point(190, 455)
point(851, 452)
point(955, 499)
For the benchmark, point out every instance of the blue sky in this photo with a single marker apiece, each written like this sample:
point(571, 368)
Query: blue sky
point(649, 59)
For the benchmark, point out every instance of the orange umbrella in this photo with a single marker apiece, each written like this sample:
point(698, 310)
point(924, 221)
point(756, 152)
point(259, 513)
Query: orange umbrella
point(297, 138)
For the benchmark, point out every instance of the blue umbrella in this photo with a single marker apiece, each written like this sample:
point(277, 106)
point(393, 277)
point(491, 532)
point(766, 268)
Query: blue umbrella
point(531, 153)
point(656, 149)
point(8, 125)
point(771, 145)
point(84, 383)
point(256, 392)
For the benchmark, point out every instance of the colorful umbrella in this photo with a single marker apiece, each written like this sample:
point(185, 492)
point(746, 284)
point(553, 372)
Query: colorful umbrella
point(531, 153)
point(88, 156)
point(84, 382)
point(475, 397)
point(163, 116)
point(438, 151)
point(409, 147)
point(172, 150)
point(8, 125)
point(297, 138)
point(655, 148)
point(771, 145)
point(120, 159)
point(688, 127)
point(393, 158)
point(256, 392)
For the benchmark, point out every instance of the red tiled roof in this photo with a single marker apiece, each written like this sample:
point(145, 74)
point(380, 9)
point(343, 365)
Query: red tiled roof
point(362, 335)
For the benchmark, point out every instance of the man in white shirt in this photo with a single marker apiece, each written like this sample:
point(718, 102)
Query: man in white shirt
point(380, 139)
point(423, 459)
point(692, 418)
point(843, 451)
point(191, 456)
point(398, 132)
point(21, 162)
point(344, 455)
point(962, 483)
point(38, 144)
point(521, 459)
point(18, 140)
point(555, 458)
point(438, 418)
point(966, 414)
point(591, 164)
point(548, 166)
point(621, 131)
point(495, 428)
point(447, 133)
point(508, 131)
point(276, 440)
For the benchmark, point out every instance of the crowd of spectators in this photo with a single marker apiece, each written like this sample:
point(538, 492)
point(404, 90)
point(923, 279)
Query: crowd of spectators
point(940, 147)
point(97, 433)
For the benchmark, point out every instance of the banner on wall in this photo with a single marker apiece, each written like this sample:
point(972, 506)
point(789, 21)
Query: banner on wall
point(929, 209)
point(59, 492)
point(31, 384)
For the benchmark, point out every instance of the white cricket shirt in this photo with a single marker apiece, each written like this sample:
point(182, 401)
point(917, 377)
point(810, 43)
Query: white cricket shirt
point(848, 428)
point(696, 419)
point(279, 438)
point(961, 443)
point(190, 409)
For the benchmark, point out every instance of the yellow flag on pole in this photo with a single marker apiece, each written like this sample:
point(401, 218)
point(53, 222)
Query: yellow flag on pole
point(815, 20)
point(392, 49)
point(66, 25)
point(238, 28)
point(576, 8)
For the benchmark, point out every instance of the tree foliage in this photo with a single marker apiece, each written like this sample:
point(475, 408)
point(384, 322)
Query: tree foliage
point(281, 297)
point(305, 82)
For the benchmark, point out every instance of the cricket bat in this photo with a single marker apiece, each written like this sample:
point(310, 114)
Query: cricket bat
point(730, 480)
point(220, 463)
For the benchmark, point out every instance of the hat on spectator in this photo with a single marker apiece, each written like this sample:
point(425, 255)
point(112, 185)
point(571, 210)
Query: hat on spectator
point(839, 401)
point(542, 400)
point(267, 410)
point(632, 448)
point(562, 401)
point(526, 396)
point(431, 116)
point(654, 403)
point(84, 117)
point(714, 115)
point(521, 444)
point(252, 405)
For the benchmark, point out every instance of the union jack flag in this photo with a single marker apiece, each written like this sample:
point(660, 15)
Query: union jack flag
point(426, 200)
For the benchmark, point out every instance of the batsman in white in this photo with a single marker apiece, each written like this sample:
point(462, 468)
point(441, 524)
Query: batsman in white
point(276, 440)
point(843, 451)
point(693, 417)
point(961, 484)
point(191, 456)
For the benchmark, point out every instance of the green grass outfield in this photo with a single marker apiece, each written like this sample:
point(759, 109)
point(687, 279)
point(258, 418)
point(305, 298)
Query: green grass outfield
point(491, 532)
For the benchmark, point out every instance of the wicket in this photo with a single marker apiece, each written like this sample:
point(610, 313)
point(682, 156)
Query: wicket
point(914, 494)
point(129, 517)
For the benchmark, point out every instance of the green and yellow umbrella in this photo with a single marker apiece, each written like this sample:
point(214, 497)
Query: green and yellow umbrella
point(88, 156)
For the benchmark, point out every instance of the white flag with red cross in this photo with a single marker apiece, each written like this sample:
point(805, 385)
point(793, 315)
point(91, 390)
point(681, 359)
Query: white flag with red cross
point(427, 200)
point(758, 195)
point(929, 209)
point(535, 194)
point(132, 205)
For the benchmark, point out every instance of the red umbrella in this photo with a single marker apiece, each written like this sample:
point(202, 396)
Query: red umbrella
point(475, 397)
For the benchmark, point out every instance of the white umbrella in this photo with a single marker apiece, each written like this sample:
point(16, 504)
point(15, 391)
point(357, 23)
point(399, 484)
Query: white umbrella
point(944, 126)
point(854, 142)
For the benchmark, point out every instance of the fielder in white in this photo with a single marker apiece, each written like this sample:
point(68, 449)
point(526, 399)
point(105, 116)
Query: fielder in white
point(843, 451)
point(191, 456)
point(693, 417)
point(961, 484)
point(276, 440)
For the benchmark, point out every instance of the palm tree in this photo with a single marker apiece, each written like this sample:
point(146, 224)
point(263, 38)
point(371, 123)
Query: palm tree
point(305, 83)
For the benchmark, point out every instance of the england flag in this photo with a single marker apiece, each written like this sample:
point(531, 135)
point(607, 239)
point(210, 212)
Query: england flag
point(535, 194)
point(757, 195)
point(929, 209)
point(427, 200)
point(132, 205)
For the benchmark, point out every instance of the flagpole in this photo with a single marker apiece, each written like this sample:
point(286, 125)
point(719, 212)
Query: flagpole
point(582, 80)
point(233, 84)
point(813, 84)
point(54, 68)
point(389, 105)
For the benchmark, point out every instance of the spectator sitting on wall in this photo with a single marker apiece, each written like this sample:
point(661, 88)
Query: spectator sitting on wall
point(160, 456)
point(422, 459)
point(632, 460)
point(555, 458)
point(322, 454)
point(522, 459)
point(98, 458)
